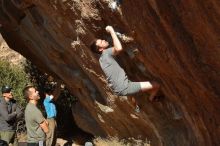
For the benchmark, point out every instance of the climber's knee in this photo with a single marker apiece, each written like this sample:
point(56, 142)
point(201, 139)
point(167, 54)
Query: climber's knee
point(146, 86)
point(149, 86)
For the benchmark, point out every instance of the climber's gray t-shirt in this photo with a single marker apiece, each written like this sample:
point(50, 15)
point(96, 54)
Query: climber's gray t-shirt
point(116, 76)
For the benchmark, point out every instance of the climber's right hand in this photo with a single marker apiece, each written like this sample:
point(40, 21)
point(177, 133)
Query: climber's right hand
point(109, 29)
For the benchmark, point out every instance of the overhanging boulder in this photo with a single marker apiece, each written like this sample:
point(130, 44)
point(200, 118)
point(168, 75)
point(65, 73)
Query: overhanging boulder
point(173, 42)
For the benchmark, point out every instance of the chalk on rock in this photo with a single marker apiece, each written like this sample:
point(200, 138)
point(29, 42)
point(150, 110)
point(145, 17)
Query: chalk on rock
point(124, 38)
point(113, 5)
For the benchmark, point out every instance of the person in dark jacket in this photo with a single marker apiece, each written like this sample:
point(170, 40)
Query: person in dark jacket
point(9, 113)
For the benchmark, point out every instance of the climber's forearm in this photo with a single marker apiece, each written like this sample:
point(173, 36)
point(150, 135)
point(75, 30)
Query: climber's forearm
point(117, 47)
point(116, 42)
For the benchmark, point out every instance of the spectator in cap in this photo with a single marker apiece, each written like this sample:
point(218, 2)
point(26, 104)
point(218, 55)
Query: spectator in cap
point(9, 113)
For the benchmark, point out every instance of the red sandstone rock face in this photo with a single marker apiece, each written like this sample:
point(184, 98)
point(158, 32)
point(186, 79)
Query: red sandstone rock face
point(175, 43)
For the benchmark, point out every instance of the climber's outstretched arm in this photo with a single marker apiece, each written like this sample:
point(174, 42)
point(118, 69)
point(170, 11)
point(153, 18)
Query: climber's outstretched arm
point(117, 48)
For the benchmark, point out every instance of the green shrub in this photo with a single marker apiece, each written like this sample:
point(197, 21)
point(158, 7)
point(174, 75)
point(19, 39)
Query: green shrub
point(16, 77)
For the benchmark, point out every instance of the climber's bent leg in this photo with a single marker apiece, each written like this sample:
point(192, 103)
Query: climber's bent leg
point(133, 88)
point(150, 87)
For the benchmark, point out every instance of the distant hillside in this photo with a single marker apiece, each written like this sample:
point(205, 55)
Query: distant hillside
point(9, 54)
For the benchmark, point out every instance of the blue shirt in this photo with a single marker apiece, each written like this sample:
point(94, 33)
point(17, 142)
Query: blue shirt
point(50, 107)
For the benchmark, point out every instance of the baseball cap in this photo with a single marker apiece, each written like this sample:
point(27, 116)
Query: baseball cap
point(6, 89)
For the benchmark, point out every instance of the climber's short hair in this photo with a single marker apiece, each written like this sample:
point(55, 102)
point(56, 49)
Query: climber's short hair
point(94, 48)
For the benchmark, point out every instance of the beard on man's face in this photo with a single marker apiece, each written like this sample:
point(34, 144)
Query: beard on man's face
point(35, 97)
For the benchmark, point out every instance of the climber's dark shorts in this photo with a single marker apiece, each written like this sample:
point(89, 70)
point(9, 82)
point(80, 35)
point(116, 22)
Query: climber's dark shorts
point(133, 88)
